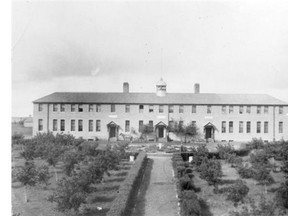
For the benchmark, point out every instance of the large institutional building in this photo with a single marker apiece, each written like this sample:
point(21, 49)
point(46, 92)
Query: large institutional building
point(219, 117)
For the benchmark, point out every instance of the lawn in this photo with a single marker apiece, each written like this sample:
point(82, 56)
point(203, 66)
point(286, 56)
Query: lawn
point(21, 130)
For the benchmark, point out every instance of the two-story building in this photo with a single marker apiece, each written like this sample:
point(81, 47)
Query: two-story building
point(237, 117)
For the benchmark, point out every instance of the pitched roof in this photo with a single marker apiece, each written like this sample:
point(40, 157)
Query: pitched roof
point(152, 98)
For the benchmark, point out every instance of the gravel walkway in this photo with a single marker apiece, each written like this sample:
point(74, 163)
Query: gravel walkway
point(157, 194)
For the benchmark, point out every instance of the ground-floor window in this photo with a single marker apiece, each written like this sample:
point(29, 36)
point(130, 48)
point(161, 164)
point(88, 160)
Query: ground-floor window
point(223, 126)
point(258, 129)
point(248, 127)
point(80, 125)
point(72, 125)
point(98, 125)
point(230, 126)
point(55, 125)
point(90, 125)
point(127, 126)
point(62, 125)
point(241, 127)
point(280, 127)
point(141, 125)
point(151, 124)
point(40, 124)
point(265, 127)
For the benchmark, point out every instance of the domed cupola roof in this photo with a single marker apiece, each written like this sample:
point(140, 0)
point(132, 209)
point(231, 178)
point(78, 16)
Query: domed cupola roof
point(161, 82)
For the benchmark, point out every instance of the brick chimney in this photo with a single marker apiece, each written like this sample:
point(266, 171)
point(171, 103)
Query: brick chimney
point(125, 87)
point(196, 88)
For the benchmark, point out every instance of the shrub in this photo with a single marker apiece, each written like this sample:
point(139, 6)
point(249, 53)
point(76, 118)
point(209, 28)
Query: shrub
point(262, 175)
point(190, 204)
point(69, 160)
point(234, 160)
point(180, 170)
point(260, 157)
point(237, 192)
point(225, 151)
point(199, 154)
point(255, 144)
point(283, 194)
point(186, 183)
point(246, 172)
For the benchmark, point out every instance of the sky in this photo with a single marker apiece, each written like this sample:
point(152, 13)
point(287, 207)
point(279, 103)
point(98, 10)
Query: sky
point(94, 46)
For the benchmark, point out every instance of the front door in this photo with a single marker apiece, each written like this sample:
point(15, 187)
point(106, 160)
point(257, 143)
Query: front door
point(112, 132)
point(208, 132)
point(161, 132)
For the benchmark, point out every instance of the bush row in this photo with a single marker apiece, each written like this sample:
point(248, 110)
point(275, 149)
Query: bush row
point(120, 204)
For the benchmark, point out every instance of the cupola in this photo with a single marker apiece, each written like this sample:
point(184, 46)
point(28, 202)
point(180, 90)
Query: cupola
point(161, 88)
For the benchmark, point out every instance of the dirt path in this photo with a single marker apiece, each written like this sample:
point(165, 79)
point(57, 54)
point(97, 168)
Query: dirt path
point(157, 195)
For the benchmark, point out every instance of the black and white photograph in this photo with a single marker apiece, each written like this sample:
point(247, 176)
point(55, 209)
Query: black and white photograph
point(148, 108)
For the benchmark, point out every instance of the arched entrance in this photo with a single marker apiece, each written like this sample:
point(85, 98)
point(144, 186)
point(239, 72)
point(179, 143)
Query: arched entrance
point(161, 131)
point(113, 130)
point(209, 132)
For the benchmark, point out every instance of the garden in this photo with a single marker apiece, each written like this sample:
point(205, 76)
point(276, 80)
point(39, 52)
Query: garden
point(250, 181)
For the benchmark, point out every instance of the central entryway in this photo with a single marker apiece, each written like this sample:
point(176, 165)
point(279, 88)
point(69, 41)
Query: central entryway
point(112, 131)
point(209, 131)
point(161, 131)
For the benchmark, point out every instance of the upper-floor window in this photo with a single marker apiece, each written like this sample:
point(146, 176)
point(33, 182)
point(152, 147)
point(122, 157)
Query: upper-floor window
point(161, 108)
point(80, 108)
point(98, 125)
point(248, 127)
point(171, 108)
point(248, 109)
point(241, 109)
point(72, 125)
point(224, 109)
point(113, 108)
point(90, 125)
point(231, 109)
point(240, 126)
point(266, 127)
point(127, 108)
point(280, 127)
point(258, 129)
point(280, 109)
point(55, 125)
point(55, 107)
point(258, 109)
point(141, 108)
point(223, 126)
point(98, 107)
point(40, 107)
point(62, 107)
point(91, 106)
point(62, 125)
point(151, 108)
point(73, 107)
point(127, 126)
point(209, 109)
point(230, 126)
point(181, 109)
point(193, 108)
point(80, 125)
point(40, 124)
point(266, 110)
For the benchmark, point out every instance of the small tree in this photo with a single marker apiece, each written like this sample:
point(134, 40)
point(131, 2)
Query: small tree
point(69, 160)
point(183, 131)
point(237, 192)
point(147, 130)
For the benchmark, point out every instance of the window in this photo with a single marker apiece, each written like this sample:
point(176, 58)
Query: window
point(241, 108)
point(170, 123)
point(151, 108)
point(141, 125)
point(265, 127)
point(181, 109)
point(248, 127)
point(223, 109)
point(73, 107)
point(55, 125)
point(141, 108)
point(127, 108)
point(181, 123)
point(127, 126)
point(72, 125)
point(40, 107)
point(80, 108)
point(80, 125)
point(258, 130)
point(240, 126)
point(209, 109)
point(171, 108)
point(151, 124)
point(223, 126)
point(62, 125)
point(231, 109)
point(98, 125)
point(90, 126)
point(266, 109)
point(40, 124)
point(248, 109)
point(194, 123)
point(258, 109)
point(55, 107)
point(90, 108)
point(161, 108)
point(193, 108)
point(113, 108)
point(98, 107)
point(230, 126)
point(62, 107)
point(280, 109)
point(280, 127)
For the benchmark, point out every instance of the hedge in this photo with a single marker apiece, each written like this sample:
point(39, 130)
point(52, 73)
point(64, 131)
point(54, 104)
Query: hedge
point(120, 205)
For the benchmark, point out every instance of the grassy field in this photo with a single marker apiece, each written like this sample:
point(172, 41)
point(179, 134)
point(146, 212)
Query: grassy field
point(38, 204)
point(20, 129)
